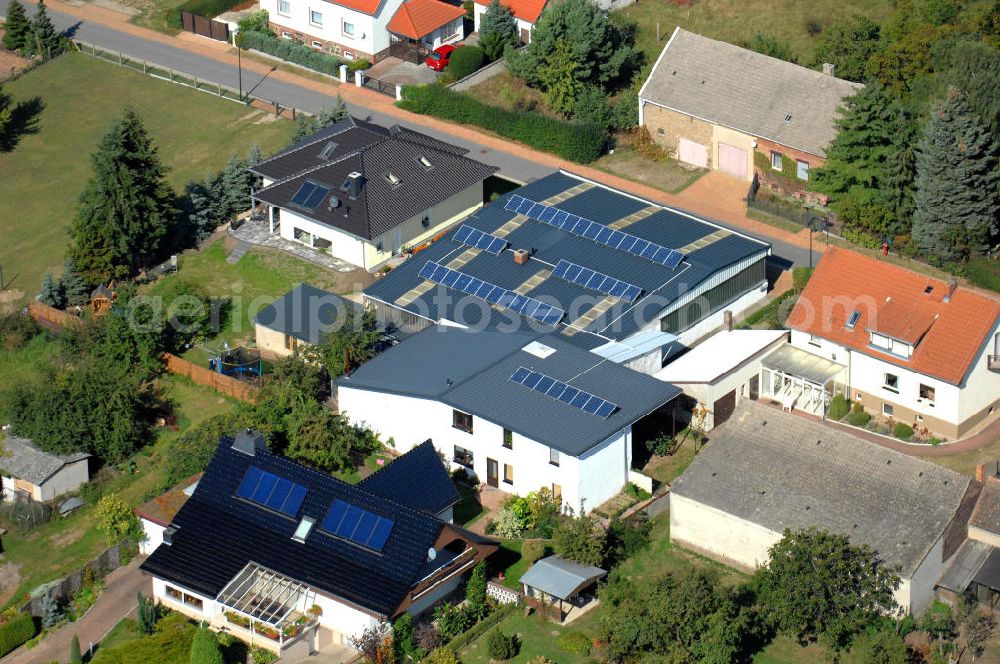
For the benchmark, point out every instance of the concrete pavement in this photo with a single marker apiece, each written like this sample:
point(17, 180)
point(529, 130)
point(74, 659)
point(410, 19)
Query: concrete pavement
point(216, 62)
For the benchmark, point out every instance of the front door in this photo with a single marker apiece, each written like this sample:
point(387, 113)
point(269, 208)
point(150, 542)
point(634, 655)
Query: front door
point(525, 36)
point(492, 472)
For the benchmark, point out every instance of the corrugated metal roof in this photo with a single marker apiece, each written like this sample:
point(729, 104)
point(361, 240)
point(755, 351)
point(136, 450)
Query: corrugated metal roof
point(561, 578)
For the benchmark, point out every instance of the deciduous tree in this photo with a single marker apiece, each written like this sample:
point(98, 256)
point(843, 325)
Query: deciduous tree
point(126, 208)
point(957, 196)
point(579, 539)
point(772, 46)
point(819, 585)
point(849, 45)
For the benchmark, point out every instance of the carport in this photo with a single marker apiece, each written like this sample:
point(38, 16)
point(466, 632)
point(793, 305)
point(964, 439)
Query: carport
point(554, 582)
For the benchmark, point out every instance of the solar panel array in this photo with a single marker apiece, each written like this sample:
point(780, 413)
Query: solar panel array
point(309, 195)
point(357, 525)
point(602, 283)
point(592, 230)
point(498, 295)
point(271, 491)
point(564, 392)
point(476, 238)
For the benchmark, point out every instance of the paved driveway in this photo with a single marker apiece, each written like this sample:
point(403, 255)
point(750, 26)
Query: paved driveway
point(401, 72)
point(116, 602)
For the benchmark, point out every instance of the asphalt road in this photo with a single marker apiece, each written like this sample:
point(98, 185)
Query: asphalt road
point(288, 94)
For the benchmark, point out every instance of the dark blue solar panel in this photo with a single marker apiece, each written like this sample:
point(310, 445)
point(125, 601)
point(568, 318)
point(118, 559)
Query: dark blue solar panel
point(316, 197)
point(559, 390)
point(602, 283)
point(476, 238)
point(594, 231)
point(302, 195)
point(357, 525)
point(269, 490)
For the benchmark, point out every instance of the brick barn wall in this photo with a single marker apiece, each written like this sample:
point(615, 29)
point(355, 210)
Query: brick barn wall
point(666, 127)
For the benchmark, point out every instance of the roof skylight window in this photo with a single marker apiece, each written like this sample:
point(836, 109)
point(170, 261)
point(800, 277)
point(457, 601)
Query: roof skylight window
point(393, 179)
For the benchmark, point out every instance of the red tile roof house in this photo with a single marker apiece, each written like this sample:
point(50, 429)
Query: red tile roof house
point(909, 347)
point(526, 13)
point(355, 29)
point(715, 105)
point(428, 23)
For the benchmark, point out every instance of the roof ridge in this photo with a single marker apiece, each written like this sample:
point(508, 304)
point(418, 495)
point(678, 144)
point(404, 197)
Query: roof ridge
point(313, 169)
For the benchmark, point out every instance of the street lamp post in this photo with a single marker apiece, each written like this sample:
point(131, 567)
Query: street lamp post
point(238, 41)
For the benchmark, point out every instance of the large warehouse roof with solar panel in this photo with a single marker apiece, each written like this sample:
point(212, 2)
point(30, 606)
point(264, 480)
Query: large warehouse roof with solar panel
point(569, 256)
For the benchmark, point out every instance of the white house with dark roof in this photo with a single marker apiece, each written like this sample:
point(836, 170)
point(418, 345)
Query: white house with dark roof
point(765, 471)
point(297, 561)
point(519, 410)
point(716, 105)
point(363, 192)
point(29, 472)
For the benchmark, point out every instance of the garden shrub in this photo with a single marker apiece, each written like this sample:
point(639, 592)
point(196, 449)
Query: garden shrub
point(255, 22)
point(205, 648)
point(441, 656)
point(17, 329)
point(574, 641)
point(859, 417)
point(801, 276)
point(502, 646)
point(903, 431)
point(533, 550)
point(838, 407)
point(452, 620)
point(170, 642)
point(581, 143)
point(292, 51)
point(464, 61)
point(16, 631)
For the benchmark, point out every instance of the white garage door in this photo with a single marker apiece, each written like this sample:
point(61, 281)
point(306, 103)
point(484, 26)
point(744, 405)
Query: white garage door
point(733, 160)
point(693, 153)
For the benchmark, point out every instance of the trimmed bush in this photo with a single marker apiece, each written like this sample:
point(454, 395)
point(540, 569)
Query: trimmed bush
point(502, 646)
point(574, 642)
point(859, 418)
point(206, 8)
point(292, 51)
point(465, 60)
point(205, 648)
point(838, 407)
point(533, 550)
point(581, 143)
point(901, 430)
point(15, 632)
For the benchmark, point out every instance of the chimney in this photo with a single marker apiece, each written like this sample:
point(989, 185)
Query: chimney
point(981, 473)
point(521, 256)
point(168, 534)
point(354, 185)
point(727, 318)
point(952, 286)
point(829, 69)
point(249, 442)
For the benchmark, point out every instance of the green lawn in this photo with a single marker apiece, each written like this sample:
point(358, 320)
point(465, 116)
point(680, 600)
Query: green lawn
point(666, 469)
point(538, 637)
point(251, 284)
point(43, 176)
point(737, 21)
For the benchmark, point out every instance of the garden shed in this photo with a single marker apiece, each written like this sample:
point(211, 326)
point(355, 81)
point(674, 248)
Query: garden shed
point(555, 586)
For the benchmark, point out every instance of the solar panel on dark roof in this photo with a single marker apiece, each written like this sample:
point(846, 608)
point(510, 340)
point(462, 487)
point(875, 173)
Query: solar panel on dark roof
point(476, 238)
point(562, 391)
point(356, 525)
point(582, 276)
point(269, 490)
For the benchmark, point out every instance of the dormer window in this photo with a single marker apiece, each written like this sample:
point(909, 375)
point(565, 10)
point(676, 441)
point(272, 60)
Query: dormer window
point(393, 179)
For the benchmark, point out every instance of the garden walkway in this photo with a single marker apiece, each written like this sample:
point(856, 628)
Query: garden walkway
point(256, 232)
point(116, 602)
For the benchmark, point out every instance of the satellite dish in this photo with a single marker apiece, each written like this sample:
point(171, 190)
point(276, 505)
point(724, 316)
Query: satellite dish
point(334, 202)
point(431, 553)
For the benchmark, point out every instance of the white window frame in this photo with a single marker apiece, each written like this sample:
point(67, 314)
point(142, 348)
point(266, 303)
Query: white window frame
point(554, 458)
point(802, 170)
point(887, 386)
point(317, 44)
point(777, 160)
point(344, 31)
point(887, 409)
point(287, 4)
point(313, 13)
point(815, 341)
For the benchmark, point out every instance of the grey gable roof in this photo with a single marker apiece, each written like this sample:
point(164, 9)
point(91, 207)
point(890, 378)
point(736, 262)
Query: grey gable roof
point(471, 370)
point(373, 152)
point(782, 471)
point(738, 88)
point(306, 313)
point(20, 458)
point(662, 286)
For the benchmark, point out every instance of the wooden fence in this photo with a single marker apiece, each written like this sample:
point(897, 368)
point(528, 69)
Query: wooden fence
point(51, 318)
point(227, 385)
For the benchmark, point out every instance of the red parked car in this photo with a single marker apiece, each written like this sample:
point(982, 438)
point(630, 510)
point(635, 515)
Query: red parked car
point(439, 57)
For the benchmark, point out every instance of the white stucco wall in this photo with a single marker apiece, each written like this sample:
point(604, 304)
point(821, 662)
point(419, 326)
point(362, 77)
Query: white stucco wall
point(370, 36)
point(521, 24)
point(343, 620)
point(594, 478)
point(211, 609)
point(154, 537)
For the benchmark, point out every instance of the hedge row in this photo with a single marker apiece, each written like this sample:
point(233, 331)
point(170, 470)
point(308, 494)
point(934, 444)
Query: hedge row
point(15, 632)
point(581, 143)
point(498, 615)
point(207, 8)
point(292, 51)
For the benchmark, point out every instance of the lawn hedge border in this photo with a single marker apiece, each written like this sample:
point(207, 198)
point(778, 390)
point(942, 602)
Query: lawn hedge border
point(581, 143)
point(15, 632)
point(296, 52)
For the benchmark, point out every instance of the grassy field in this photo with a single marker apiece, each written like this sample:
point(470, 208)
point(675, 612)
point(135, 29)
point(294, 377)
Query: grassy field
point(251, 284)
point(43, 176)
point(668, 176)
point(738, 22)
